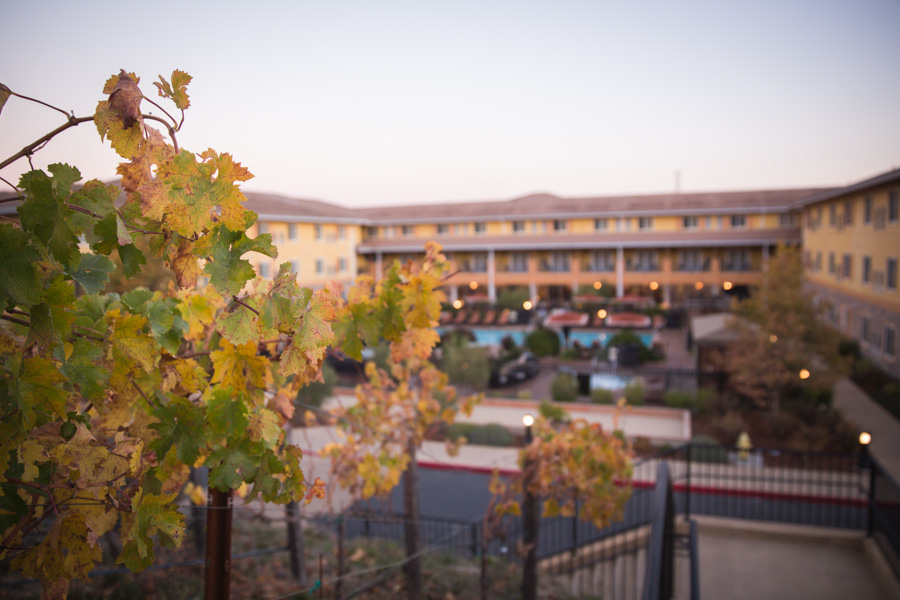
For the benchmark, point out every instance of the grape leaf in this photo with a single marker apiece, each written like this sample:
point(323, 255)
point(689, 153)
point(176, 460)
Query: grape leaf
point(239, 367)
point(125, 100)
point(240, 325)
point(63, 554)
point(4, 95)
point(184, 264)
point(227, 413)
point(40, 389)
point(153, 514)
point(229, 467)
point(93, 272)
point(19, 280)
point(304, 355)
point(181, 424)
point(227, 271)
point(177, 90)
point(126, 141)
point(43, 212)
point(129, 350)
point(83, 370)
point(265, 427)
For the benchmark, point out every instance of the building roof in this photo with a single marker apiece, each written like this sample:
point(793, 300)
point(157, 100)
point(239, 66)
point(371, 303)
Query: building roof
point(281, 208)
point(882, 179)
point(588, 241)
point(548, 206)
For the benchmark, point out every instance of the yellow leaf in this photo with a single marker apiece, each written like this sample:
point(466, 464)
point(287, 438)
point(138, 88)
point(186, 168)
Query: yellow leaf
point(239, 367)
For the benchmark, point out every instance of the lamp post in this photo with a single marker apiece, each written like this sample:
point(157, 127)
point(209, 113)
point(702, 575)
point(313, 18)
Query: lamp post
point(865, 462)
point(529, 519)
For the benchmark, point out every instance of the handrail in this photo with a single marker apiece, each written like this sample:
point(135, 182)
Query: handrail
point(659, 574)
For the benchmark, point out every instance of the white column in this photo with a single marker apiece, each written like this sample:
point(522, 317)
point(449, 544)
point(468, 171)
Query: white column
point(378, 266)
point(532, 291)
point(667, 294)
point(492, 289)
point(620, 271)
point(454, 294)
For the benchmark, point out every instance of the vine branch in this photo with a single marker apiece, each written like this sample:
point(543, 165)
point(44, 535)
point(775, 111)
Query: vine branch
point(244, 304)
point(30, 148)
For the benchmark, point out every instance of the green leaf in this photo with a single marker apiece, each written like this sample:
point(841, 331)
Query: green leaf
point(153, 515)
point(43, 212)
point(40, 390)
point(83, 370)
point(227, 413)
point(132, 259)
point(181, 424)
point(93, 272)
point(240, 325)
point(177, 90)
point(227, 271)
point(229, 467)
point(19, 280)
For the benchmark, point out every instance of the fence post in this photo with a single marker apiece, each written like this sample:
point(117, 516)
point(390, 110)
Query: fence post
point(529, 527)
point(413, 566)
point(218, 546)
point(687, 489)
point(473, 531)
point(870, 526)
point(295, 542)
point(338, 591)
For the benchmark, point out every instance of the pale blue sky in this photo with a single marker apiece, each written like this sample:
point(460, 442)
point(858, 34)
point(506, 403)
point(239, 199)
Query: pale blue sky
point(389, 102)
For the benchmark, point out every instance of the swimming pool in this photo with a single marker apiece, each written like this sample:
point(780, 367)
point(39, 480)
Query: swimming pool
point(609, 382)
point(493, 337)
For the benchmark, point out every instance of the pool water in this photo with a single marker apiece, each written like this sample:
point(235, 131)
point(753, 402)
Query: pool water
point(609, 382)
point(493, 337)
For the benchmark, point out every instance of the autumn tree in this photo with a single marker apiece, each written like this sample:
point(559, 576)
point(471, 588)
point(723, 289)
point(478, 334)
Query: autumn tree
point(107, 400)
point(396, 408)
point(783, 345)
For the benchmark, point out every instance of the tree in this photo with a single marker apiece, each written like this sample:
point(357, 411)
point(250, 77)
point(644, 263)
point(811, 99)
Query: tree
point(395, 409)
point(783, 346)
point(107, 400)
point(464, 364)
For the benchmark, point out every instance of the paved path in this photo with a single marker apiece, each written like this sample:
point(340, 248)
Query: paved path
point(869, 416)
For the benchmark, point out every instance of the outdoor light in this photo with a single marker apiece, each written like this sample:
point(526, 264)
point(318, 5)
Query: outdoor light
point(457, 304)
point(773, 338)
point(865, 438)
point(602, 313)
point(527, 420)
point(698, 285)
point(654, 285)
point(473, 285)
point(598, 285)
point(727, 286)
point(527, 305)
point(804, 374)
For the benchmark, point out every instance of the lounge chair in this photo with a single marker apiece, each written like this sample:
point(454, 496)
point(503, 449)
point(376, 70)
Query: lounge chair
point(489, 317)
point(503, 319)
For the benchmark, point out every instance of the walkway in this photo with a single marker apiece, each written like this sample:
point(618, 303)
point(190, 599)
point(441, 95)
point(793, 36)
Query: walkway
point(869, 416)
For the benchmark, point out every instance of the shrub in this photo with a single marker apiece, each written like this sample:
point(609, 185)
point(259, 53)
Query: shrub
point(634, 393)
point(602, 396)
point(729, 426)
point(465, 364)
point(491, 434)
point(570, 354)
point(861, 366)
point(706, 449)
point(642, 445)
point(524, 395)
point(564, 388)
point(624, 338)
point(543, 342)
point(512, 297)
point(679, 399)
point(553, 413)
point(849, 348)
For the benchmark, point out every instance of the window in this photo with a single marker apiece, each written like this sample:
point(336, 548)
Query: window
point(292, 231)
point(866, 269)
point(819, 260)
point(848, 212)
point(867, 210)
point(890, 341)
point(645, 223)
point(560, 225)
point(831, 266)
point(318, 230)
point(342, 264)
point(600, 261)
point(845, 270)
point(643, 260)
point(864, 331)
point(264, 270)
point(518, 226)
point(342, 232)
point(407, 230)
point(518, 262)
point(738, 221)
point(320, 266)
point(893, 206)
point(690, 260)
point(556, 262)
point(371, 232)
point(480, 228)
point(736, 260)
point(891, 275)
point(832, 214)
point(262, 227)
point(295, 267)
point(601, 224)
point(787, 220)
point(623, 224)
point(690, 222)
point(442, 228)
point(478, 263)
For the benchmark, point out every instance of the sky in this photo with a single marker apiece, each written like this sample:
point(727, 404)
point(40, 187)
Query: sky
point(372, 103)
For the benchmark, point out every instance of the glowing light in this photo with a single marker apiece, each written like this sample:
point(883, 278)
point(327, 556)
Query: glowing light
point(527, 305)
point(804, 374)
point(457, 304)
point(654, 285)
point(773, 338)
point(527, 420)
point(598, 285)
point(698, 285)
point(864, 438)
point(473, 285)
point(727, 286)
point(602, 313)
